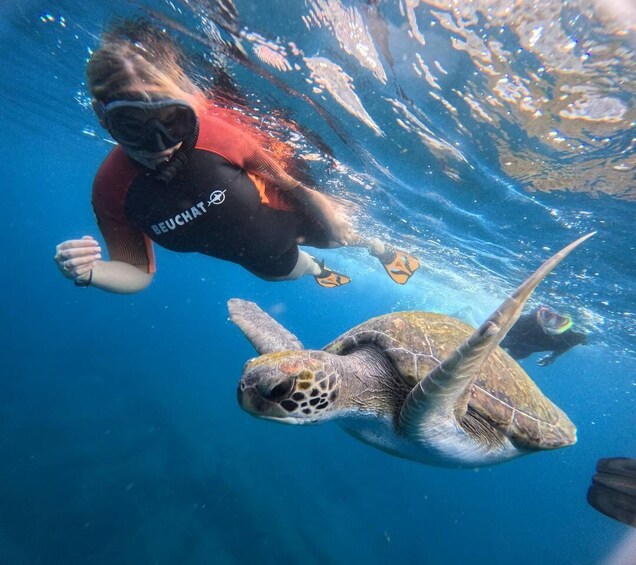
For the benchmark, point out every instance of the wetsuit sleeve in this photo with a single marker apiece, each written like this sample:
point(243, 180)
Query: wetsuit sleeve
point(578, 338)
point(237, 146)
point(261, 164)
point(124, 242)
point(563, 343)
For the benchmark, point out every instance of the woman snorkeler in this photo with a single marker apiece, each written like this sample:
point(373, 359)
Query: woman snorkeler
point(189, 176)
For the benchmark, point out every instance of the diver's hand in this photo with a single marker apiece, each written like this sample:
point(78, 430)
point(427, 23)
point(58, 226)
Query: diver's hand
point(545, 361)
point(76, 258)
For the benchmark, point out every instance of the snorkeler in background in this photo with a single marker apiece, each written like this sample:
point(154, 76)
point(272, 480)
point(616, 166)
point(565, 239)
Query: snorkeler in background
point(542, 330)
point(192, 177)
point(613, 490)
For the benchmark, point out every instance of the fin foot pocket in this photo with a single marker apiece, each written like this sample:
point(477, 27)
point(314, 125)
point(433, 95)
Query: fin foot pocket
point(399, 265)
point(330, 278)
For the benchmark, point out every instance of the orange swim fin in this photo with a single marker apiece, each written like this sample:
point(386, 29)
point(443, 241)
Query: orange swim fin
point(329, 278)
point(399, 264)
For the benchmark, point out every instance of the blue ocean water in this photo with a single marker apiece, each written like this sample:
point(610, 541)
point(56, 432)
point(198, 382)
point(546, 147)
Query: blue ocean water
point(121, 439)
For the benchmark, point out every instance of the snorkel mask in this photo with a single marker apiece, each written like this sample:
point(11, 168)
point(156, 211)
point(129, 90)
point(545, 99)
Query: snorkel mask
point(150, 126)
point(552, 323)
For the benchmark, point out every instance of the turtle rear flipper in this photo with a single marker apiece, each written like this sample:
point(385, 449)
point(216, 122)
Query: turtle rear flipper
point(613, 490)
point(264, 333)
point(439, 398)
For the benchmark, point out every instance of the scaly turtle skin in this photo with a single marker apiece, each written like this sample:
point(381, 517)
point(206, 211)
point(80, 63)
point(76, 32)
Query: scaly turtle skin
point(417, 385)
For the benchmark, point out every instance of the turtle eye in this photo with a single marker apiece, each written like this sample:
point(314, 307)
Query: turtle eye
point(281, 390)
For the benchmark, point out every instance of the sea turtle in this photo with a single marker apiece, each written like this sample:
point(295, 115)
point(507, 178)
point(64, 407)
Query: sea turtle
point(418, 385)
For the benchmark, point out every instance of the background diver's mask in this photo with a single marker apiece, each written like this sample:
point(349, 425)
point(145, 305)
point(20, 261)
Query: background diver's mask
point(150, 126)
point(553, 323)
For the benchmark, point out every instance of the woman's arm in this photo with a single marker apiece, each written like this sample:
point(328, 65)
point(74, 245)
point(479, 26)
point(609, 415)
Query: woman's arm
point(256, 160)
point(80, 260)
point(119, 277)
point(314, 203)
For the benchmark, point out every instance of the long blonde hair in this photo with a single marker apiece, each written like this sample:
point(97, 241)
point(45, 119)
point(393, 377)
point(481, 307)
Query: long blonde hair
point(136, 60)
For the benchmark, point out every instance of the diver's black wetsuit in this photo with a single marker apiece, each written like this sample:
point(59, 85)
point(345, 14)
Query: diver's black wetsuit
point(225, 203)
point(213, 207)
point(527, 337)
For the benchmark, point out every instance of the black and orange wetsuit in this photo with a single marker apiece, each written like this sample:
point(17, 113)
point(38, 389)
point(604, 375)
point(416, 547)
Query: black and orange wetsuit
point(228, 202)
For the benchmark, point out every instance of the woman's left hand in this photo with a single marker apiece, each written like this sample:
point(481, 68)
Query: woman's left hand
point(75, 258)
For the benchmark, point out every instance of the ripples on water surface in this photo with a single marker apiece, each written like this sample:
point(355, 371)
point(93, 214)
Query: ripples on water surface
point(481, 134)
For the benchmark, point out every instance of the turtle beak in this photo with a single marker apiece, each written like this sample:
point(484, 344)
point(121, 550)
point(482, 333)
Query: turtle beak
point(251, 398)
point(252, 401)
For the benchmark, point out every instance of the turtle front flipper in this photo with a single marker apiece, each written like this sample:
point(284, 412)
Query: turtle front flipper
point(432, 411)
point(264, 333)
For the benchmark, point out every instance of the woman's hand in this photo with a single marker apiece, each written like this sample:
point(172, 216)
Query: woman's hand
point(80, 260)
point(76, 258)
point(547, 360)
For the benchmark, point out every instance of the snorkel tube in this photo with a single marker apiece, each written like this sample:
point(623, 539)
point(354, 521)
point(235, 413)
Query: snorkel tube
point(167, 171)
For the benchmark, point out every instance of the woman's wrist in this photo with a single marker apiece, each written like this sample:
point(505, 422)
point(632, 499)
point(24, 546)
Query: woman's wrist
point(85, 283)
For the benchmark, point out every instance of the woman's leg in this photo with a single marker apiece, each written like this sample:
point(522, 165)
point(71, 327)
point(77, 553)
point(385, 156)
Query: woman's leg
point(398, 264)
point(306, 265)
point(309, 265)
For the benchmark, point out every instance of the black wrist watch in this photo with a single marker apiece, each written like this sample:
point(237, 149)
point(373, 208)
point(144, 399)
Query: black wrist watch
point(85, 283)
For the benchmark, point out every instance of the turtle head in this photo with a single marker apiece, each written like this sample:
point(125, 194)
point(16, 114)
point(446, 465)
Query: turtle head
point(291, 387)
point(551, 322)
